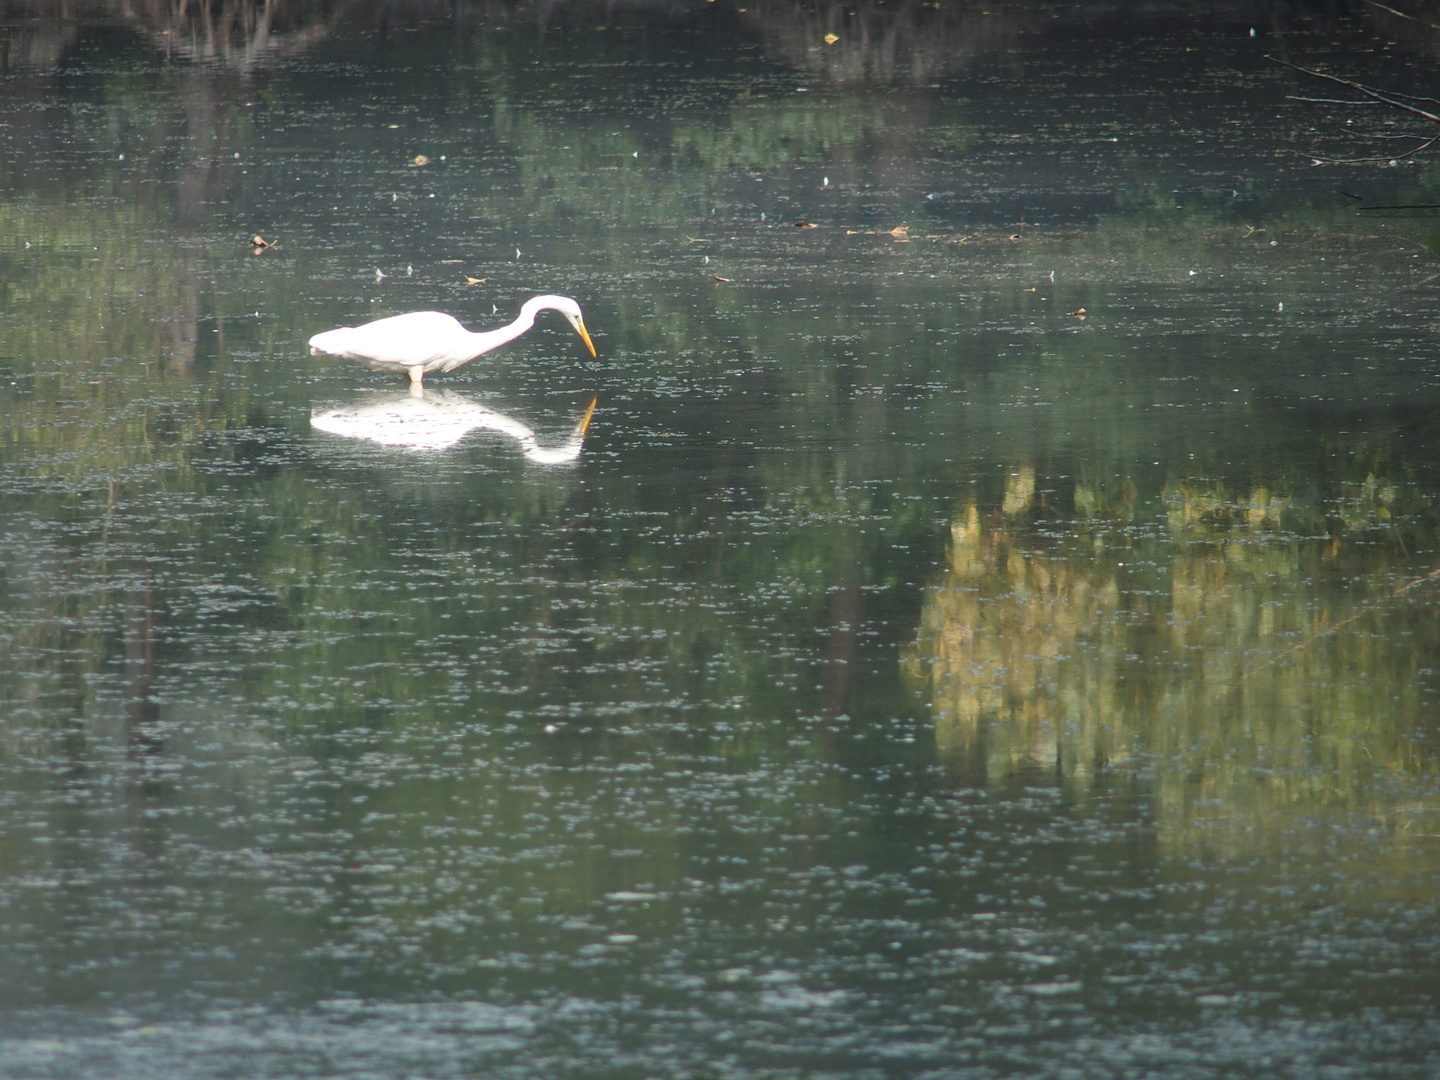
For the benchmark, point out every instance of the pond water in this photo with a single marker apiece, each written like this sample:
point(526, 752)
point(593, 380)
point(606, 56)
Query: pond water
point(989, 627)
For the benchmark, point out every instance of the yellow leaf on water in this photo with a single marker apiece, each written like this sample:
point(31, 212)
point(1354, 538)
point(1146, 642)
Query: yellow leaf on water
point(830, 39)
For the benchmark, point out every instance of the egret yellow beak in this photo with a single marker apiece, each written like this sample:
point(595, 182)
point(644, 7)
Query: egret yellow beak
point(585, 337)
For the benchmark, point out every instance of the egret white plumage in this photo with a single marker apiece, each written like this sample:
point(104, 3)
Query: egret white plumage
point(425, 341)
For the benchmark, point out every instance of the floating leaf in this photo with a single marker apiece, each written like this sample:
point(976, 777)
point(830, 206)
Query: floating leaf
point(830, 39)
point(420, 159)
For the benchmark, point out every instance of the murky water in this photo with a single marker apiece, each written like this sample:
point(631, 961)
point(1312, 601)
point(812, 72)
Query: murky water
point(989, 627)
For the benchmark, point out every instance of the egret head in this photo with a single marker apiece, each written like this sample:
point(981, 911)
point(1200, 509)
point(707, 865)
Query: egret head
point(565, 306)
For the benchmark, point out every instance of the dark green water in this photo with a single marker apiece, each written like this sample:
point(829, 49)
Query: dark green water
point(990, 629)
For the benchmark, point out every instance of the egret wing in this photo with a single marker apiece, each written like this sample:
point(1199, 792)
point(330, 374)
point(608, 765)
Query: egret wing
point(420, 338)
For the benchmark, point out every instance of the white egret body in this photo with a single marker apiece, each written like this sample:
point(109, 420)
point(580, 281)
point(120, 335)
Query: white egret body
point(425, 341)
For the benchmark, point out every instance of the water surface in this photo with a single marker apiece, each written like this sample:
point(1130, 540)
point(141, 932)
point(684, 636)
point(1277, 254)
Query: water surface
point(989, 628)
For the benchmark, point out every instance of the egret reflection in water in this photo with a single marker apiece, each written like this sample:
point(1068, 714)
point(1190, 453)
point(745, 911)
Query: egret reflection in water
point(438, 420)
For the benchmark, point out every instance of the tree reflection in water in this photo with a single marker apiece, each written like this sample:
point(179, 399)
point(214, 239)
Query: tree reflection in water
point(1216, 658)
point(876, 43)
point(237, 34)
point(842, 43)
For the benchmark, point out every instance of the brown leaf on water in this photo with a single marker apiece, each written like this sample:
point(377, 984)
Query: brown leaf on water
point(420, 159)
point(805, 225)
point(901, 232)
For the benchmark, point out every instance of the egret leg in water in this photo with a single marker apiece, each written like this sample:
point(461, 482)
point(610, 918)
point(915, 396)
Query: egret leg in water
point(426, 341)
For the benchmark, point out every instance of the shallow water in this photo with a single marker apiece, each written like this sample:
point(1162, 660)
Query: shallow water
point(989, 628)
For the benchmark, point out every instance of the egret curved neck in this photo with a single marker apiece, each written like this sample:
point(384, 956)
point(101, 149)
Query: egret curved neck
point(486, 340)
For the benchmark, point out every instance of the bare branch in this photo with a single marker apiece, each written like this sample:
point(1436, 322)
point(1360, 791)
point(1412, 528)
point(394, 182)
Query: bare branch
point(1393, 100)
point(1400, 14)
point(1404, 206)
point(1332, 101)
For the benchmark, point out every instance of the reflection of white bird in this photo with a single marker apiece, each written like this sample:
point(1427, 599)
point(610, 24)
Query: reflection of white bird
point(425, 341)
point(437, 420)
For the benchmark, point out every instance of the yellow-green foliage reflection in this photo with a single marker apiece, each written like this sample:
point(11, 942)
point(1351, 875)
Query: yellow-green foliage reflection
point(1229, 659)
point(1024, 644)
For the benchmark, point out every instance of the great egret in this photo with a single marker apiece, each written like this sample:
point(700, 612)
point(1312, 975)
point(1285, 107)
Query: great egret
point(425, 341)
